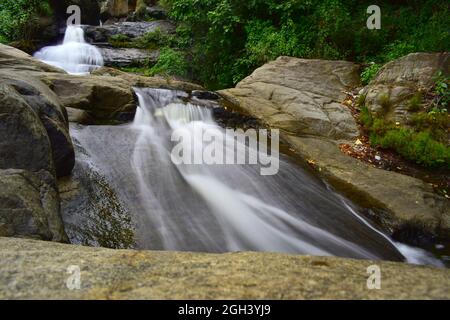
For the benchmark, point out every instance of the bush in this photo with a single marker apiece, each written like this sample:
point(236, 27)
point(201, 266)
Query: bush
point(19, 18)
point(369, 73)
point(418, 147)
point(170, 62)
point(231, 38)
point(415, 102)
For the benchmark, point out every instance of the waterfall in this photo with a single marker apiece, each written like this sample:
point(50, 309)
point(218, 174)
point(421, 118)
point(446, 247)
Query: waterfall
point(223, 208)
point(74, 55)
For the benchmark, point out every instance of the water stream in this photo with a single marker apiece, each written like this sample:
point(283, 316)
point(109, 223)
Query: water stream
point(209, 207)
point(222, 208)
point(74, 55)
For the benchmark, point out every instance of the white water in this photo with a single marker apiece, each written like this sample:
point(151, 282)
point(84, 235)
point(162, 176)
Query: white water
point(222, 208)
point(237, 198)
point(74, 55)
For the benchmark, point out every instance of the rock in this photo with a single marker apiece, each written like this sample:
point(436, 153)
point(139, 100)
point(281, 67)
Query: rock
point(101, 97)
point(205, 95)
point(24, 143)
point(301, 96)
point(124, 57)
point(101, 34)
point(29, 206)
point(116, 8)
point(398, 81)
point(128, 274)
point(134, 80)
point(409, 203)
point(19, 61)
point(91, 210)
point(52, 115)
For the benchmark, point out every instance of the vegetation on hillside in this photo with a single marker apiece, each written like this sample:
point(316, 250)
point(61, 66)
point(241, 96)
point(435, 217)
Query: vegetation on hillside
point(19, 18)
point(230, 38)
point(425, 138)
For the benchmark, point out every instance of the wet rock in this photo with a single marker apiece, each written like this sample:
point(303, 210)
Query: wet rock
point(205, 95)
point(129, 274)
point(124, 57)
point(29, 206)
point(92, 213)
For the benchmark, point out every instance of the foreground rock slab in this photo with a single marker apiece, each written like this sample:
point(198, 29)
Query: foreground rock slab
point(34, 269)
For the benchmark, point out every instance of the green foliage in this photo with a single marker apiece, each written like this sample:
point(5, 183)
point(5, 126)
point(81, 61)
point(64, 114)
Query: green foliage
point(18, 18)
point(419, 147)
point(366, 118)
point(369, 73)
point(442, 91)
point(231, 38)
point(171, 63)
point(415, 102)
point(424, 143)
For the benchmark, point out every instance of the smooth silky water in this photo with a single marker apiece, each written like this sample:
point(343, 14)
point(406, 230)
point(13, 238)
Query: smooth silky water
point(213, 208)
point(74, 55)
point(222, 208)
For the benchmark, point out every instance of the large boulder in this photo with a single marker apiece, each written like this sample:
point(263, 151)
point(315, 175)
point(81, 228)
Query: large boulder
point(39, 270)
point(390, 92)
point(51, 114)
point(102, 97)
point(301, 96)
point(24, 143)
point(35, 149)
point(29, 206)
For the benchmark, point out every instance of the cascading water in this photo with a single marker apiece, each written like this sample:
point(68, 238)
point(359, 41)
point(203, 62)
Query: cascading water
point(74, 55)
point(220, 208)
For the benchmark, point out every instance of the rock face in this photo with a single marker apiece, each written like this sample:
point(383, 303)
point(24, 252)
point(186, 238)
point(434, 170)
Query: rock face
point(35, 149)
point(398, 81)
point(302, 98)
point(38, 270)
point(30, 206)
point(123, 57)
point(99, 34)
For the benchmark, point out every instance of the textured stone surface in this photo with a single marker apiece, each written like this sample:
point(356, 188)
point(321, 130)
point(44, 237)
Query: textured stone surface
point(301, 96)
point(29, 206)
point(34, 269)
point(123, 57)
point(398, 81)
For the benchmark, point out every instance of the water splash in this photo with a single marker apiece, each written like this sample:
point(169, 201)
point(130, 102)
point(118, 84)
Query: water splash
point(74, 55)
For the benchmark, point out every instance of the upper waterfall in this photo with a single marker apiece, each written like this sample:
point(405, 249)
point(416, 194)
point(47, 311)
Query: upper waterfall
point(74, 55)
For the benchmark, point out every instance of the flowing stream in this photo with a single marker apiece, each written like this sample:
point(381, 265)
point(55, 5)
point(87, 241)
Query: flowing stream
point(221, 208)
point(209, 207)
point(74, 55)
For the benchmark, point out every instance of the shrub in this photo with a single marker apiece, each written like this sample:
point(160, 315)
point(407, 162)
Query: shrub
point(418, 147)
point(19, 18)
point(170, 62)
point(369, 73)
point(415, 102)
